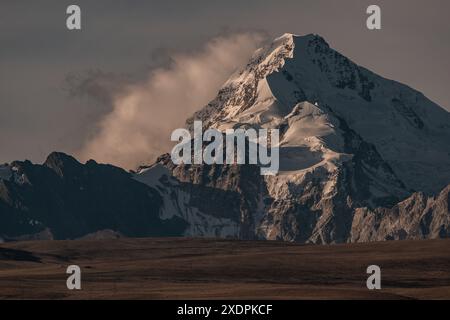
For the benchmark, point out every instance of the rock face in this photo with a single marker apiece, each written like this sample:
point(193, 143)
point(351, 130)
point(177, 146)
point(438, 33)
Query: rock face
point(351, 143)
point(64, 199)
point(417, 217)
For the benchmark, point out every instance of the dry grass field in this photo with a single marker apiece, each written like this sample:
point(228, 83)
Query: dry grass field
point(223, 269)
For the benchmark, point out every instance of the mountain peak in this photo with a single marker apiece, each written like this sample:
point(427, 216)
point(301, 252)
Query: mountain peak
point(61, 162)
point(301, 41)
point(308, 36)
point(295, 69)
point(59, 157)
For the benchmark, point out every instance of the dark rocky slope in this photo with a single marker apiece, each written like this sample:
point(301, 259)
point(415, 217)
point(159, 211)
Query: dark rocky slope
point(71, 200)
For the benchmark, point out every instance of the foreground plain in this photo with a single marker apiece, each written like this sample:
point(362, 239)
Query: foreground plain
point(174, 268)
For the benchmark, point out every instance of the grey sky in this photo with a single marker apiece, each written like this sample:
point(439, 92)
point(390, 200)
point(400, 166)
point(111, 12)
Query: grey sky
point(122, 40)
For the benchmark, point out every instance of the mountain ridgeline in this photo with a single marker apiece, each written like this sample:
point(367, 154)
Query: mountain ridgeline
point(64, 199)
point(362, 158)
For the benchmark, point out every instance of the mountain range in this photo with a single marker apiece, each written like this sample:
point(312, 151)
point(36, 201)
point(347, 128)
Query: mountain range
point(362, 158)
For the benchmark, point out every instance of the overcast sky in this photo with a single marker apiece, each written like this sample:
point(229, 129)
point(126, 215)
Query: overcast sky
point(55, 84)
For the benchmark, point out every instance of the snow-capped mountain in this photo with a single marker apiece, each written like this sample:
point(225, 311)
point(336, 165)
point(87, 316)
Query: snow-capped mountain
point(362, 158)
point(350, 139)
point(409, 131)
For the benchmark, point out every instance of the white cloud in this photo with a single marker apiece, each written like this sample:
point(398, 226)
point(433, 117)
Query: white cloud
point(139, 126)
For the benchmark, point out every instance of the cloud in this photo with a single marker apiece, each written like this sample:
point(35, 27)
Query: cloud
point(97, 85)
point(144, 114)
